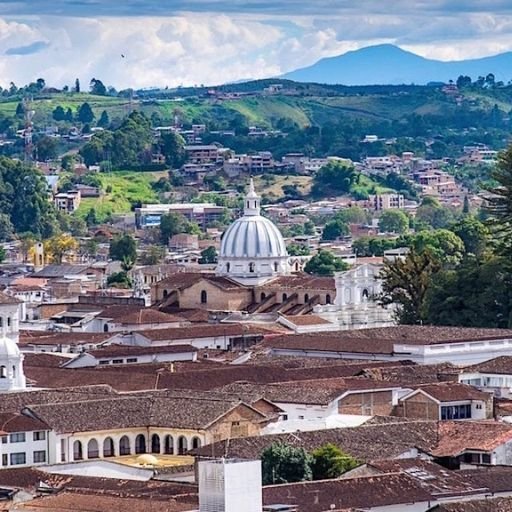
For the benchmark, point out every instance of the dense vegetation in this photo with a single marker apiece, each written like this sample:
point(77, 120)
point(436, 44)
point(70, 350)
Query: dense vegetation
point(461, 276)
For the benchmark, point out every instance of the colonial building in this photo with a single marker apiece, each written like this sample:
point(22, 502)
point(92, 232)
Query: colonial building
point(254, 274)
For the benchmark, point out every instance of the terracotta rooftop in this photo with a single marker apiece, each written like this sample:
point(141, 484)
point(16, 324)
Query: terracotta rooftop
point(302, 281)
point(452, 391)
point(127, 350)
point(317, 392)
point(482, 505)
point(365, 493)
point(305, 320)
point(499, 365)
point(413, 374)
point(8, 299)
point(86, 502)
point(61, 338)
point(135, 411)
point(15, 402)
point(382, 340)
point(137, 315)
point(455, 437)
point(183, 280)
point(15, 422)
point(202, 331)
point(366, 443)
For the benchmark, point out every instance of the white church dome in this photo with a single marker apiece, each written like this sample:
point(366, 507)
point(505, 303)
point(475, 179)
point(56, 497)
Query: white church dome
point(252, 249)
point(253, 237)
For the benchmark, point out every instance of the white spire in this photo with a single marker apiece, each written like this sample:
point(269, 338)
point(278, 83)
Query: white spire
point(252, 201)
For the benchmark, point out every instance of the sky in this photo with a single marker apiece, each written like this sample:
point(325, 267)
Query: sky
point(146, 43)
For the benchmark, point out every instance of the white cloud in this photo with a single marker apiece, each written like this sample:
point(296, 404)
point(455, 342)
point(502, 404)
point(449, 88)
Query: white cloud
point(211, 48)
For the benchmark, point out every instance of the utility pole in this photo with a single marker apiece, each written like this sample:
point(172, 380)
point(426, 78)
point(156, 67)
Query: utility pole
point(29, 115)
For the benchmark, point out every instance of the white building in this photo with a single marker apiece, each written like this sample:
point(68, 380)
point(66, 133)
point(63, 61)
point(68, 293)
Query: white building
point(355, 306)
point(228, 485)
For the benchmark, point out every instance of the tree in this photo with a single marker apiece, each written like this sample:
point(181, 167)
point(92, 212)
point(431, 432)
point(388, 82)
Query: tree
point(466, 206)
point(334, 178)
point(85, 113)
point(172, 146)
point(324, 263)
point(473, 233)
point(282, 463)
point(77, 85)
point(298, 250)
point(27, 241)
point(47, 148)
point(24, 198)
point(309, 228)
point(443, 244)
point(69, 115)
point(208, 255)
point(97, 87)
point(499, 203)
point(331, 462)
point(119, 280)
point(104, 120)
point(406, 282)
point(6, 228)
point(154, 255)
point(59, 246)
point(59, 114)
point(431, 212)
point(353, 215)
point(334, 229)
point(474, 294)
point(171, 224)
point(77, 226)
point(123, 247)
point(20, 110)
point(90, 218)
point(464, 81)
point(68, 162)
point(393, 221)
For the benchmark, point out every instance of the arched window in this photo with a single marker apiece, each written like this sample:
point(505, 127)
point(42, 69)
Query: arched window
point(365, 294)
point(3, 372)
point(165, 293)
point(204, 297)
point(306, 298)
point(182, 445)
point(8, 321)
point(169, 445)
point(108, 447)
point(297, 266)
point(14, 372)
point(285, 296)
point(263, 296)
point(276, 266)
point(251, 267)
point(78, 453)
point(228, 267)
point(196, 443)
point(1, 321)
point(93, 451)
point(155, 443)
point(124, 446)
point(140, 444)
point(327, 299)
point(105, 328)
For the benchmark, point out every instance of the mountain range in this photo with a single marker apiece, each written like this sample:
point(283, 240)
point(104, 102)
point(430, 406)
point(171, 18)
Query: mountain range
point(387, 64)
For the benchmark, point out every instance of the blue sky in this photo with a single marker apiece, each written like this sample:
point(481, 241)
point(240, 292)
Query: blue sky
point(213, 41)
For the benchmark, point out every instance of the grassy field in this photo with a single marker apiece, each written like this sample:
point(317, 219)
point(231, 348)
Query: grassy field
point(274, 188)
point(124, 188)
